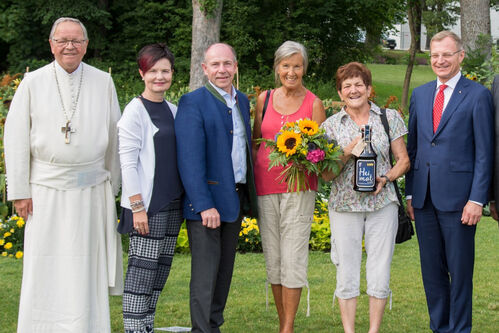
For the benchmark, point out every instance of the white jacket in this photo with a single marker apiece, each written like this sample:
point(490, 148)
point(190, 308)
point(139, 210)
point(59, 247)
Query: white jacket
point(136, 148)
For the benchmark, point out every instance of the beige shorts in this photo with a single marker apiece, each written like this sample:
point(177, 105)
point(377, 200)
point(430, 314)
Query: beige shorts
point(285, 222)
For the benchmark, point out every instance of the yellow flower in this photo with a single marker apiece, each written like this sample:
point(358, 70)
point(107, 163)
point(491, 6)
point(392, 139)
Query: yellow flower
point(4, 254)
point(20, 223)
point(7, 234)
point(12, 230)
point(288, 141)
point(14, 218)
point(246, 240)
point(290, 124)
point(240, 233)
point(11, 256)
point(19, 254)
point(8, 245)
point(2, 242)
point(308, 126)
point(245, 231)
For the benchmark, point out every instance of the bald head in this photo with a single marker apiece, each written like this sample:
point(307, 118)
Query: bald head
point(220, 65)
point(218, 47)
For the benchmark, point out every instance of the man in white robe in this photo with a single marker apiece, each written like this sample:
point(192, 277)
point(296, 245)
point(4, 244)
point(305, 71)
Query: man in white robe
point(63, 174)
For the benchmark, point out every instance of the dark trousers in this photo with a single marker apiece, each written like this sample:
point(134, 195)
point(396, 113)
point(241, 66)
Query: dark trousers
point(212, 261)
point(447, 252)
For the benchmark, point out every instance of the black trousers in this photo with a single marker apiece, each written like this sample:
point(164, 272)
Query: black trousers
point(212, 262)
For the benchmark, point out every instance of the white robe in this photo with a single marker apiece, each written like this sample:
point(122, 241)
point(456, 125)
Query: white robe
point(72, 252)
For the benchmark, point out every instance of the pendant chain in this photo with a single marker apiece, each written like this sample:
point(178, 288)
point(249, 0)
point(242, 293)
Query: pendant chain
point(73, 106)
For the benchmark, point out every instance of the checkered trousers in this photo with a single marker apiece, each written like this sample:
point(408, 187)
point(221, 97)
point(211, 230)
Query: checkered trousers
point(149, 261)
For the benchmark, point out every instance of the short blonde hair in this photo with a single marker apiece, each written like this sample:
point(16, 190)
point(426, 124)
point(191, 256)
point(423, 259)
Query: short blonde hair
point(444, 34)
point(286, 50)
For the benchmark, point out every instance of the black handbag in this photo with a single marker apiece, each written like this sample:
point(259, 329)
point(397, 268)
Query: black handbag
point(405, 229)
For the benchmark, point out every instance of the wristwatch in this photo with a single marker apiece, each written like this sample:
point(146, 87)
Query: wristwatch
point(387, 179)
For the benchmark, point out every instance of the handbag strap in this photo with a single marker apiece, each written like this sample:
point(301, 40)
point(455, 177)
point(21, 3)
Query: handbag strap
point(384, 121)
point(267, 97)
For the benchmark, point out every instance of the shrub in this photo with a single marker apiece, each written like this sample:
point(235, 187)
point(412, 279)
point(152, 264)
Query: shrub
point(182, 240)
point(12, 237)
point(321, 232)
point(485, 71)
point(249, 236)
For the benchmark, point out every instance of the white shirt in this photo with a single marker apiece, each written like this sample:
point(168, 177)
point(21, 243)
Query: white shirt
point(239, 140)
point(451, 85)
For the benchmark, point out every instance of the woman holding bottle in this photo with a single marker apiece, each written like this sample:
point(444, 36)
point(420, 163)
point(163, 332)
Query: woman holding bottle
point(353, 214)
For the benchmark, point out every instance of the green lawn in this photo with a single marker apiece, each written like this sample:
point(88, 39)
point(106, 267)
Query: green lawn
point(388, 80)
point(246, 306)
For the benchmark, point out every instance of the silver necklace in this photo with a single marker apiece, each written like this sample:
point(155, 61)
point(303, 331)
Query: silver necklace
point(67, 129)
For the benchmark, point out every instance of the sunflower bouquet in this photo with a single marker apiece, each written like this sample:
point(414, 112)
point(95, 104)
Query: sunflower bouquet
point(302, 147)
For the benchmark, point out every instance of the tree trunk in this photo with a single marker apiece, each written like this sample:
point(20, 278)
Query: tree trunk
point(414, 18)
point(417, 8)
point(205, 31)
point(475, 20)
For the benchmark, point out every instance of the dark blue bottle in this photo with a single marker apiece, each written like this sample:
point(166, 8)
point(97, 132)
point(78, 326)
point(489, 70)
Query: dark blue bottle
point(365, 165)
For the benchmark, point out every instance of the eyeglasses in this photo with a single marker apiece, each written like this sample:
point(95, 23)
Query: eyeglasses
point(446, 56)
point(65, 42)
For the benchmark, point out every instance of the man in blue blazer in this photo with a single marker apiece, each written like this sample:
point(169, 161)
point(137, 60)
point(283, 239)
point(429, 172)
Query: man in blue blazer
point(450, 145)
point(212, 129)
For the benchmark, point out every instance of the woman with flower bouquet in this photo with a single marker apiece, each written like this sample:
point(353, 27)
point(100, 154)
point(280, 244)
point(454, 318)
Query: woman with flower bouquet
point(286, 211)
point(372, 215)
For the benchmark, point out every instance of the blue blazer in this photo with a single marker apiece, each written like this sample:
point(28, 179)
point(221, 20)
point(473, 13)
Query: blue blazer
point(203, 129)
point(457, 160)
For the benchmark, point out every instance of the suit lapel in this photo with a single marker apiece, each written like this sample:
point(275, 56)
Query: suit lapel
point(457, 96)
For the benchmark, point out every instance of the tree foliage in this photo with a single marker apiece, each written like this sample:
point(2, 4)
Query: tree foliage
point(439, 15)
point(330, 29)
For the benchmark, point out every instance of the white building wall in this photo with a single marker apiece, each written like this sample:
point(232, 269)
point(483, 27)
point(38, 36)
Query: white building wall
point(403, 35)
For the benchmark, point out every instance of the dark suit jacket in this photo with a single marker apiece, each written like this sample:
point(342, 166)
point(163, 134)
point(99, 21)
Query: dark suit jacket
point(457, 159)
point(495, 94)
point(203, 130)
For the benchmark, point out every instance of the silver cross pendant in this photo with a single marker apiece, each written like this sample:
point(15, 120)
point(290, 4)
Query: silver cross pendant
point(67, 130)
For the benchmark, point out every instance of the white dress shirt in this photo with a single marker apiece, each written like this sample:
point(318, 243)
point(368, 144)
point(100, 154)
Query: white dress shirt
point(239, 140)
point(451, 85)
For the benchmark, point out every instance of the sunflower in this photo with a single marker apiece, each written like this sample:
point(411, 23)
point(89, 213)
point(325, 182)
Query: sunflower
point(308, 126)
point(288, 141)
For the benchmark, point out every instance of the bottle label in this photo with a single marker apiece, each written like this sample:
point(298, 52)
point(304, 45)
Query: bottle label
point(366, 169)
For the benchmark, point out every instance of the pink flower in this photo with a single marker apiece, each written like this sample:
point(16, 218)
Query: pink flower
point(316, 155)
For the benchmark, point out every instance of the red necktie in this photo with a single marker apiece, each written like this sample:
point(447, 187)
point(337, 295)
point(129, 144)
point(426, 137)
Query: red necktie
point(438, 107)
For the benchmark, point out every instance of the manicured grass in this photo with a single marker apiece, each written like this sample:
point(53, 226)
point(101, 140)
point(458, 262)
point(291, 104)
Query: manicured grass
point(388, 80)
point(246, 305)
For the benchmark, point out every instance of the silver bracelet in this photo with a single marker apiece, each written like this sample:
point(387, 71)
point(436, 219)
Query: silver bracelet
point(136, 210)
point(136, 204)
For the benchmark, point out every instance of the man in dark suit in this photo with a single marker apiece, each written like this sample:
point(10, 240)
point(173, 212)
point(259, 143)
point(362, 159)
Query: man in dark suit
point(450, 145)
point(213, 135)
point(495, 186)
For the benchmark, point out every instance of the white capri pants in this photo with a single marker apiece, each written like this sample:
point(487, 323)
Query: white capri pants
point(380, 230)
